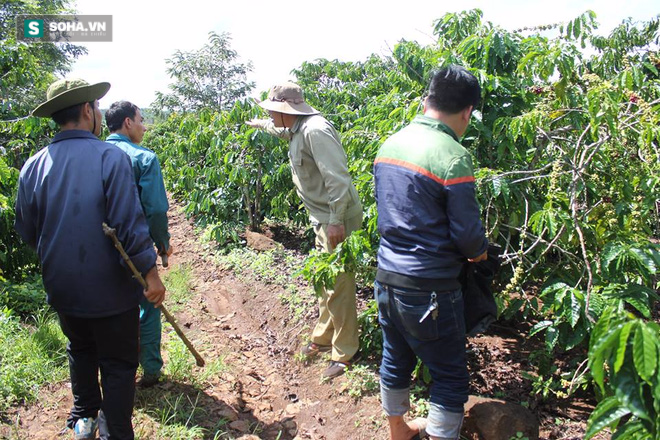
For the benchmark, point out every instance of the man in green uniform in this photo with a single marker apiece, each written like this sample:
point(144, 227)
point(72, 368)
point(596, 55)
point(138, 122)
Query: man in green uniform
point(125, 122)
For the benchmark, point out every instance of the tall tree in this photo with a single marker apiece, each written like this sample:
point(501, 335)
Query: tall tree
point(26, 69)
point(211, 77)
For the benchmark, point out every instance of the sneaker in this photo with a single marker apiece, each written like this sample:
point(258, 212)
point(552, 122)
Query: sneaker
point(335, 369)
point(85, 429)
point(313, 349)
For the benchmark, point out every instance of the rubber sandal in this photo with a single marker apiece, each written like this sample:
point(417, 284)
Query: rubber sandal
point(421, 425)
point(313, 349)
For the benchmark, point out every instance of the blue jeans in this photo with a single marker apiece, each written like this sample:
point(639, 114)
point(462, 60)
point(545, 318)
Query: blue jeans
point(439, 341)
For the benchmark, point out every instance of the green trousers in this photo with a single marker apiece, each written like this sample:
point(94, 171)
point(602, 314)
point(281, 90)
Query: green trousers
point(150, 331)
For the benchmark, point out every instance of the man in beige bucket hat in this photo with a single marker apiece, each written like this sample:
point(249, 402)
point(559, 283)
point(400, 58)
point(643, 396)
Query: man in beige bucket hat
point(320, 175)
point(66, 191)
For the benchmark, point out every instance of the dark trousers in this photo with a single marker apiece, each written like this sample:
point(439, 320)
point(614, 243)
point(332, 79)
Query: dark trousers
point(108, 344)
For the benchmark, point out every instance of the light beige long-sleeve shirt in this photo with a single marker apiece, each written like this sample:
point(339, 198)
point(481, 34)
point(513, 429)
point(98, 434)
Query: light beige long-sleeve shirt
point(319, 169)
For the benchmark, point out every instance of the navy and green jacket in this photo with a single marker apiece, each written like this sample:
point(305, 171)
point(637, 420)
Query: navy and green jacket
point(151, 188)
point(428, 216)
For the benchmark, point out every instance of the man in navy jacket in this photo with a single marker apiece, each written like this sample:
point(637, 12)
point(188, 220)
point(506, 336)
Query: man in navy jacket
point(66, 191)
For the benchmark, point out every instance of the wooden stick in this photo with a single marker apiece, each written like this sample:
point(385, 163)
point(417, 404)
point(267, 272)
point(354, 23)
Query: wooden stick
point(110, 232)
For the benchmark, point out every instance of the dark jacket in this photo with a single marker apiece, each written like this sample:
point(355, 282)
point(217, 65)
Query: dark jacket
point(66, 191)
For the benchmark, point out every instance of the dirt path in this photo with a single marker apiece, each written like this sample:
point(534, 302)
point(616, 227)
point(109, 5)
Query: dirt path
point(246, 321)
point(262, 391)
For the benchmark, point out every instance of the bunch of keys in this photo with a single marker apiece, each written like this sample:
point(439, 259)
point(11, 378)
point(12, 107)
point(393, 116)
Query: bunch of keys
point(432, 310)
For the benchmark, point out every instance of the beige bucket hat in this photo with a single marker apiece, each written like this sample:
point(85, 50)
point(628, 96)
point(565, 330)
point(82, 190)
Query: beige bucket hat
point(287, 98)
point(65, 93)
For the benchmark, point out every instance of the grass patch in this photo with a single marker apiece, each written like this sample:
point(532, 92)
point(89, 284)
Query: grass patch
point(177, 414)
point(31, 355)
point(177, 281)
point(273, 267)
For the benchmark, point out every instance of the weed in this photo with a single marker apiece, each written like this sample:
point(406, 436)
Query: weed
point(174, 416)
point(371, 336)
point(214, 368)
point(297, 300)
point(361, 381)
point(177, 281)
point(25, 299)
point(274, 266)
point(31, 356)
point(419, 401)
point(179, 365)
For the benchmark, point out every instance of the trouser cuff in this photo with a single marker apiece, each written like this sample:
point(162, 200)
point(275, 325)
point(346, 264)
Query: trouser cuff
point(444, 424)
point(396, 402)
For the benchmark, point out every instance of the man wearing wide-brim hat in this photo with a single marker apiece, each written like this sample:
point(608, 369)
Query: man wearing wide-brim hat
point(320, 175)
point(65, 192)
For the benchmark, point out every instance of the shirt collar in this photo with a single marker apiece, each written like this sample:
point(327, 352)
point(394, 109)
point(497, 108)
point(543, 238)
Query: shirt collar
point(298, 123)
point(72, 134)
point(123, 138)
point(436, 124)
point(118, 136)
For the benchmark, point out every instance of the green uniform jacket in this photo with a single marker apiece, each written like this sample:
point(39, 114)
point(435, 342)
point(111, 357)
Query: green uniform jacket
point(151, 188)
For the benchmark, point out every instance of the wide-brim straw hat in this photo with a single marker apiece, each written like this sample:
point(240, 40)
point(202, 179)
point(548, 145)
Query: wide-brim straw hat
point(66, 93)
point(287, 98)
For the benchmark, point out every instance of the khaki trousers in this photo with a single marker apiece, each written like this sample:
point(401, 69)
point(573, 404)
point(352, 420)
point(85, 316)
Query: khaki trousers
point(337, 324)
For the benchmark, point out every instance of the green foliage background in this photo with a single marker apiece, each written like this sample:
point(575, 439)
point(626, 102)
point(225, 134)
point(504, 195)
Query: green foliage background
point(566, 148)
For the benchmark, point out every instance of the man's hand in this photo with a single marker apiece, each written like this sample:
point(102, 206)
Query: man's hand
point(155, 291)
point(257, 123)
point(481, 257)
point(336, 234)
point(167, 253)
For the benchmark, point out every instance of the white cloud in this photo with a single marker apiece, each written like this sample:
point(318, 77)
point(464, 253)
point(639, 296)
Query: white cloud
point(278, 36)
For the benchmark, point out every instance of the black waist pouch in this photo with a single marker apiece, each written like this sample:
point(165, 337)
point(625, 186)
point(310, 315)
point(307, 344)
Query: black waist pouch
point(476, 280)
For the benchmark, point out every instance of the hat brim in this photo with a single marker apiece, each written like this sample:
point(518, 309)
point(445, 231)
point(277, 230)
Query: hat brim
point(72, 97)
point(302, 109)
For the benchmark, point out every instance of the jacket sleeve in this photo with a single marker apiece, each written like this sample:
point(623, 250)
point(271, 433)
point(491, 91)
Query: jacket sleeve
point(269, 127)
point(154, 202)
point(465, 228)
point(330, 159)
point(124, 212)
point(24, 222)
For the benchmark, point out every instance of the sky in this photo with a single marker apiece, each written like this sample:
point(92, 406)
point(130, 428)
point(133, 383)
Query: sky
point(277, 36)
